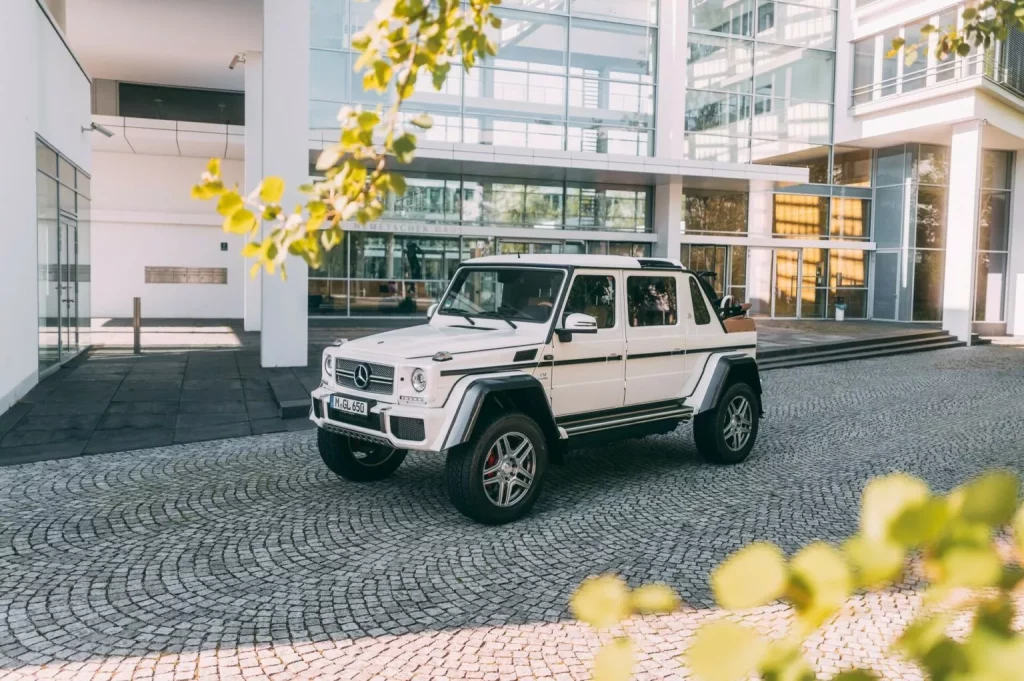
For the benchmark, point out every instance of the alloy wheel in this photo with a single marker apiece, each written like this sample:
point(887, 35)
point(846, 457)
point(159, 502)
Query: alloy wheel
point(509, 469)
point(739, 423)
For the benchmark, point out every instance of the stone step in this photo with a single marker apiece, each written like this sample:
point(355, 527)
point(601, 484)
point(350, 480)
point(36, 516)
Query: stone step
point(291, 396)
point(800, 350)
point(865, 353)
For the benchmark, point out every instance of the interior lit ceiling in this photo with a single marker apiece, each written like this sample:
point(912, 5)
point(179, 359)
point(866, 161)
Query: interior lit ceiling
point(165, 42)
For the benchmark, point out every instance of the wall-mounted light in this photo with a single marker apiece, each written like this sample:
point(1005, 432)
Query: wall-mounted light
point(239, 58)
point(98, 128)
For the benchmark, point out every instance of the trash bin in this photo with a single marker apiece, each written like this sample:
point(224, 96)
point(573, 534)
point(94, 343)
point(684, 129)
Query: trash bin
point(840, 309)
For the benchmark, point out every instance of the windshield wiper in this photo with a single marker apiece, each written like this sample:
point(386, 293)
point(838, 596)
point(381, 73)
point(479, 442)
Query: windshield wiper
point(500, 316)
point(461, 313)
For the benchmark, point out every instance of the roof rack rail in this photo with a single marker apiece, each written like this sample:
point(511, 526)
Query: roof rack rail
point(655, 264)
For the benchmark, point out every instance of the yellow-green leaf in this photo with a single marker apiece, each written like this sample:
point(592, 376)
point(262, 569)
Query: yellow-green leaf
point(920, 524)
point(615, 660)
point(252, 249)
point(403, 147)
point(328, 158)
point(784, 661)
point(396, 183)
point(241, 222)
point(725, 651)
point(651, 598)
point(969, 13)
point(601, 601)
point(856, 675)
point(229, 203)
point(271, 189)
point(201, 192)
point(875, 564)
point(754, 575)
point(885, 499)
point(820, 582)
point(213, 167)
point(923, 635)
point(989, 499)
point(970, 567)
point(368, 120)
point(1018, 529)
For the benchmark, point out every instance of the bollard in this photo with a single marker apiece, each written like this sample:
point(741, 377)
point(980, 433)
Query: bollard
point(137, 325)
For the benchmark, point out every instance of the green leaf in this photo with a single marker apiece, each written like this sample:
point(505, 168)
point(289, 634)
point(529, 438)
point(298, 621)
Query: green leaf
point(368, 120)
point(970, 567)
point(785, 662)
point(725, 651)
point(396, 183)
point(752, 576)
point(1018, 529)
point(229, 203)
point(317, 209)
point(360, 41)
point(970, 13)
point(923, 635)
point(875, 564)
point(615, 660)
point(884, 500)
point(252, 249)
point(819, 584)
point(922, 524)
point(996, 615)
point(403, 147)
point(946, 660)
point(963, 49)
point(271, 189)
point(856, 675)
point(994, 656)
point(241, 222)
point(423, 121)
point(926, 29)
point(990, 499)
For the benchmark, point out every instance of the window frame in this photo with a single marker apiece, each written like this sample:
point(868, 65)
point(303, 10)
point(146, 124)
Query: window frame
point(607, 275)
point(674, 293)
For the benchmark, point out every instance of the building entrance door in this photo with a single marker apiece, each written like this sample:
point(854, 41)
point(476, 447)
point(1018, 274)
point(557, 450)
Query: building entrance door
point(786, 301)
point(67, 287)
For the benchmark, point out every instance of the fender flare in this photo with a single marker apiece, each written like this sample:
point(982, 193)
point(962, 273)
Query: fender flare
point(524, 389)
point(730, 369)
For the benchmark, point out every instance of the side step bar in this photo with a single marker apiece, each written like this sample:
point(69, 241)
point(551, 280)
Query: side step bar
point(594, 425)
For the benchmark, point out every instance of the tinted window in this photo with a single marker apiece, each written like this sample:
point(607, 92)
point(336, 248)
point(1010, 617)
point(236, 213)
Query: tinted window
point(518, 294)
point(651, 301)
point(700, 308)
point(181, 104)
point(593, 295)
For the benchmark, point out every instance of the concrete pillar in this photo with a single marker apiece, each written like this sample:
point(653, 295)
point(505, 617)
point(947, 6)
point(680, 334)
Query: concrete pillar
point(671, 103)
point(285, 147)
point(668, 217)
point(251, 293)
point(1015, 264)
point(759, 260)
point(962, 229)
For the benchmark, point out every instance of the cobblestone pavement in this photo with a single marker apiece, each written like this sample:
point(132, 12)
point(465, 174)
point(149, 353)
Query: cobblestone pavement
point(246, 558)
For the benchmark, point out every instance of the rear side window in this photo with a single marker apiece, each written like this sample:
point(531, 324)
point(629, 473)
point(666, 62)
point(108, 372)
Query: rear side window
point(593, 295)
point(700, 308)
point(651, 301)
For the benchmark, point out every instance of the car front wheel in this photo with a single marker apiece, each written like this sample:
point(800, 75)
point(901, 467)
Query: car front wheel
point(726, 434)
point(357, 460)
point(496, 476)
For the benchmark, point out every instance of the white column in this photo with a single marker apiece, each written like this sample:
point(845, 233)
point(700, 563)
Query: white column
point(962, 229)
point(252, 306)
point(668, 217)
point(671, 101)
point(759, 260)
point(285, 146)
point(1015, 265)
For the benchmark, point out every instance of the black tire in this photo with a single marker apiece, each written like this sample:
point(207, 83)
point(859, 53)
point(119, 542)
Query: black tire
point(465, 470)
point(716, 442)
point(357, 460)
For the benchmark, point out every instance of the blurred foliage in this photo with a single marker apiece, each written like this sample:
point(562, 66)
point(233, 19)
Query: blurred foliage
point(407, 40)
point(984, 24)
point(967, 545)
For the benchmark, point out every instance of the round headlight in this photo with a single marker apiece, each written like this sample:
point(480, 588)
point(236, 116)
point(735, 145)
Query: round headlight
point(419, 380)
point(328, 364)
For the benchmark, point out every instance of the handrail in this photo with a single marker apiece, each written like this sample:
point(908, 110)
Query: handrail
point(980, 64)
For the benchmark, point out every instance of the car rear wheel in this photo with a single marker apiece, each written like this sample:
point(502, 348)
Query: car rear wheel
point(357, 460)
point(496, 476)
point(726, 434)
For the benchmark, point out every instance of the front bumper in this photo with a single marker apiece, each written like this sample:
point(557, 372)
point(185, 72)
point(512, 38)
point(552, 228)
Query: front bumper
point(389, 424)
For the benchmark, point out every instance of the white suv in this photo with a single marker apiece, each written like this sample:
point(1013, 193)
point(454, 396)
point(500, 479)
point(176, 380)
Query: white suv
point(527, 356)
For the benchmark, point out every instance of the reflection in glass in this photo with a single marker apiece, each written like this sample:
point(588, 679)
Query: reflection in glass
point(708, 210)
point(990, 287)
point(890, 166)
point(887, 267)
point(851, 167)
point(328, 297)
point(796, 24)
point(616, 51)
point(928, 269)
point(931, 217)
point(634, 10)
point(722, 16)
point(995, 169)
point(994, 221)
point(800, 216)
point(847, 268)
point(863, 69)
point(933, 165)
point(719, 63)
point(856, 300)
point(48, 268)
point(914, 67)
point(813, 283)
point(850, 218)
point(787, 282)
point(890, 64)
point(889, 216)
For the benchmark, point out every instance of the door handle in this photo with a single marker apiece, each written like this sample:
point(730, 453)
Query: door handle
point(614, 357)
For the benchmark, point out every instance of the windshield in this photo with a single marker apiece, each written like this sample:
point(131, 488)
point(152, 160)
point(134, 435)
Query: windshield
point(521, 294)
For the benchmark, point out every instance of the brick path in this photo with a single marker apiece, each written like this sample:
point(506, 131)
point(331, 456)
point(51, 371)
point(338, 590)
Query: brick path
point(246, 558)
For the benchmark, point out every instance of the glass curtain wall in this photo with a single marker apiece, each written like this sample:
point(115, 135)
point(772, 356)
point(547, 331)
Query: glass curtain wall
point(760, 79)
point(395, 274)
point(993, 237)
point(63, 273)
point(577, 75)
point(911, 194)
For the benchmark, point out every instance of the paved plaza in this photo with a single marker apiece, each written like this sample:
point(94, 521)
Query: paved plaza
point(246, 558)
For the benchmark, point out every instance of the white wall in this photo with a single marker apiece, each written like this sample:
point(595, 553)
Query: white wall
point(45, 93)
point(142, 215)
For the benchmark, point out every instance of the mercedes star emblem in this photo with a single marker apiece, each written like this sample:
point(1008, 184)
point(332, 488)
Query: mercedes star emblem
point(362, 376)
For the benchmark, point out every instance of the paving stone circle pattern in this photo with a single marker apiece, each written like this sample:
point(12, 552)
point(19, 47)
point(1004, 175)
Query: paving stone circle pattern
point(246, 558)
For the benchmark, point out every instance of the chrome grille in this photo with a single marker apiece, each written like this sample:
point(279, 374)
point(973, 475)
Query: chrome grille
point(382, 377)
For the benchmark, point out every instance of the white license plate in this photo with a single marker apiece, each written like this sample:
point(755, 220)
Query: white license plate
point(349, 406)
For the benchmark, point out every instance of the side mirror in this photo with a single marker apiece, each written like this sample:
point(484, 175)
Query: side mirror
point(575, 323)
point(431, 310)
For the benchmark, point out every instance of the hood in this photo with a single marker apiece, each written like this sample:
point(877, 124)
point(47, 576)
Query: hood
point(424, 341)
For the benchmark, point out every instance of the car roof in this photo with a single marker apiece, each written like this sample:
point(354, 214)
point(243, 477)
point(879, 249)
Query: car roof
point(618, 262)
